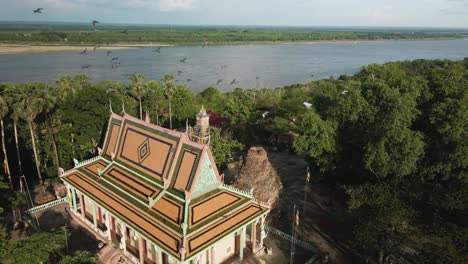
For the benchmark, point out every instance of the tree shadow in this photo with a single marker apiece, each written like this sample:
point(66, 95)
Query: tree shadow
point(80, 238)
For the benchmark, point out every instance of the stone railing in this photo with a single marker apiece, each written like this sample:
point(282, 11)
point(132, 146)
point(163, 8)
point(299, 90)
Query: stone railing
point(85, 162)
point(262, 203)
point(238, 191)
point(47, 205)
point(284, 235)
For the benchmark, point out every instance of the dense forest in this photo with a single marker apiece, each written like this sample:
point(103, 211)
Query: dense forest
point(393, 137)
point(103, 34)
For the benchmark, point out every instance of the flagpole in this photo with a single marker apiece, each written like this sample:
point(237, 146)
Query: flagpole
point(293, 240)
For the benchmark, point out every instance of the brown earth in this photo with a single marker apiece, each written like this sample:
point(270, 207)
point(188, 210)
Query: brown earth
point(258, 173)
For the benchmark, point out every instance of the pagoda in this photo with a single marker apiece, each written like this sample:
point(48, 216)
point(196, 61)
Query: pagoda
point(156, 194)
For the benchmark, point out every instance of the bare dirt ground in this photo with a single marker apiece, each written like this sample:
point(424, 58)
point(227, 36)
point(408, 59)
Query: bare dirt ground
point(322, 220)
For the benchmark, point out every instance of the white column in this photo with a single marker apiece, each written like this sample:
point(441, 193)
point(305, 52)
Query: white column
point(253, 235)
point(82, 206)
point(159, 256)
point(262, 228)
point(123, 240)
point(94, 208)
point(108, 226)
point(213, 252)
point(242, 243)
point(74, 199)
point(141, 251)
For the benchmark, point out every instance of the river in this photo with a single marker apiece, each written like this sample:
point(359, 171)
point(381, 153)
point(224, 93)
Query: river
point(245, 66)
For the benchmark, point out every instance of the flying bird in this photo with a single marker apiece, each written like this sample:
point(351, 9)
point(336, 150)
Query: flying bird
point(38, 10)
point(308, 105)
point(219, 81)
point(115, 64)
point(95, 47)
point(183, 59)
point(108, 53)
point(94, 22)
point(233, 82)
point(189, 80)
point(265, 114)
point(115, 58)
point(179, 73)
point(84, 51)
point(344, 92)
point(86, 66)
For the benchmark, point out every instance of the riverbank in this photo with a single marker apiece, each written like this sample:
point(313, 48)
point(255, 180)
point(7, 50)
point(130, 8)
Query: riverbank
point(26, 49)
point(43, 48)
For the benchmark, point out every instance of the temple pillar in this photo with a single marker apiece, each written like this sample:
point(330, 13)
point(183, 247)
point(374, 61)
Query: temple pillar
point(69, 196)
point(242, 244)
point(74, 199)
point(153, 251)
point(124, 238)
point(262, 231)
point(159, 257)
point(141, 249)
point(94, 208)
point(212, 255)
point(82, 206)
point(253, 235)
point(108, 227)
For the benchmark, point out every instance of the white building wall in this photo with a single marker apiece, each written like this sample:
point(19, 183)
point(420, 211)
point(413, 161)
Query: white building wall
point(225, 249)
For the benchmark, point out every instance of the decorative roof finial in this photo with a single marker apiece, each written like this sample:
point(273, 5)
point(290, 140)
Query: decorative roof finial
point(202, 110)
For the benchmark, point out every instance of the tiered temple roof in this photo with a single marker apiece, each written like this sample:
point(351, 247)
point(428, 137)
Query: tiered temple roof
point(164, 186)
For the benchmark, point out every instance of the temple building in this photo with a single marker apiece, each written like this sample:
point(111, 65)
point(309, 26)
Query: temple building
point(156, 194)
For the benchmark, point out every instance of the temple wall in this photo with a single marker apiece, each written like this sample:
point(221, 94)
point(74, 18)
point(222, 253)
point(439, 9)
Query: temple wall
point(225, 249)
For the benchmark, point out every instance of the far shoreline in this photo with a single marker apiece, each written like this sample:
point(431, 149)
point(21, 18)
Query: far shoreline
point(20, 48)
point(14, 49)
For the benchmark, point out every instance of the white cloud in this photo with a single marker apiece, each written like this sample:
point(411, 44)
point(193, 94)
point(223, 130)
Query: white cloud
point(169, 5)
point(163, 5)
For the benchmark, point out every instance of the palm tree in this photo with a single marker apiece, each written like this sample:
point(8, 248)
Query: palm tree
point(11, 95)
point(169, 91)
point(33, 99)
point(69, 85)
point(3, 113)
point(137, 89)
point(65, 87)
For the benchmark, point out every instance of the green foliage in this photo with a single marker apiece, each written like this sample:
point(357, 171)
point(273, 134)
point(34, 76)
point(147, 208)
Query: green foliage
point(382, 217)
point(317, 137)
point(194, 35)
point(38, 247)
point(239, 106)
point(223, 145)
point(80, 257)
point(212, 98)
point(183, 103)
point(3, 247)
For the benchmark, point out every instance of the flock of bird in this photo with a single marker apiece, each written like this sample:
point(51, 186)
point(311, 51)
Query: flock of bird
point(115, 62)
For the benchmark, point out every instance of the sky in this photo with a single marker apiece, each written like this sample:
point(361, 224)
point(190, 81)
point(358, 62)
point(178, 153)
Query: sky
point(375, 13)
